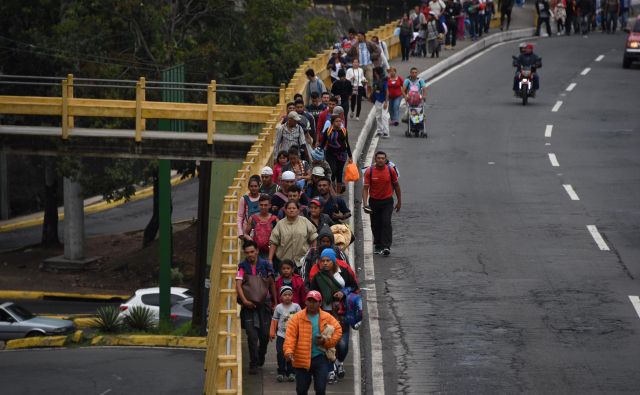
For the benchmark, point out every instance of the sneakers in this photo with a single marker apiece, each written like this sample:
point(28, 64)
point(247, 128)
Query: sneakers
point(356, 326)
point(357, 118)
point(377, 251)
point(340, 370)
point(332, 377)
point(351, 115)
point(292, 377)
point(386, 252)
point(385, 136)
point(280, 378)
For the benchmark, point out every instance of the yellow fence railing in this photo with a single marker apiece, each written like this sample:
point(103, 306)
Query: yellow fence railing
point(67, 107)
point(223, 361)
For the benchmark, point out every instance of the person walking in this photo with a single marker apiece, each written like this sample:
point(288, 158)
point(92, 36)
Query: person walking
point(292, 236)
point(451, 13)
point(281, 316)
point(358, 81)
point(379, 94)
point(506, 6)
point(343, 89)
point(304, 344)
point(337, 151)
point(267, 186)
point(432, 32)
point(259, 226)
point(380, 183)
point(394, 83)
point(248, 205)
point(255, 286)
point(289, 134)
point(543, 9)
point(314, 84)
point(335, 284)
point(368, 54)
point(406, 34)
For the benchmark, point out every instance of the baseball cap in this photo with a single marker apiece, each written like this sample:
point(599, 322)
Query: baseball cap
point(317, 171)
point(315, 295)
point(294, 115)
point(337, 110)
point(266, 171)
point(288, 176)
point(316, 201)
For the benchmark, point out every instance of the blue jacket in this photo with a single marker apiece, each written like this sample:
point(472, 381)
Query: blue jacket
point(263, 267)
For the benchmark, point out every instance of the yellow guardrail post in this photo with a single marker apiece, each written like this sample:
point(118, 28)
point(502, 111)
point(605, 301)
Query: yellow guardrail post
point(140, 96)
point(71, 122)
point(211, 102)
point(65, 110)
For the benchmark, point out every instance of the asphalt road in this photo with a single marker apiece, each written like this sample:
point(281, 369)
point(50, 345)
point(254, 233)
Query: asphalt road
point(494, 284)
point(128, 217)
point(101, 371)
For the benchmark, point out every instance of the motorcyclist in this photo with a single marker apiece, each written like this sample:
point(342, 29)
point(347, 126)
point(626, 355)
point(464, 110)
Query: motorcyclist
point(527, 58)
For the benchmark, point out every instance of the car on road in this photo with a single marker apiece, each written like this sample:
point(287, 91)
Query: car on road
point(632, 45)
point(17, 322)
point(150, 298)
point(182, 312)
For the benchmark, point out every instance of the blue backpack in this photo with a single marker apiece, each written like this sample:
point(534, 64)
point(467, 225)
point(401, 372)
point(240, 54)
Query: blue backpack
point(353, 306)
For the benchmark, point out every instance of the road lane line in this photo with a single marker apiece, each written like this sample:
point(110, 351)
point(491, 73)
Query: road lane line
point(548, 130)
point(599, 58)
point(554, 160)
point(106, 392)
point(557, 106)
point(572, 194)
point(377, 370)
point(635, 301)
point(571, 86)
point(586, 71)
point(597, 237)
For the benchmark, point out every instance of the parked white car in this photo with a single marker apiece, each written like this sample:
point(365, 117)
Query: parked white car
point(150, 298)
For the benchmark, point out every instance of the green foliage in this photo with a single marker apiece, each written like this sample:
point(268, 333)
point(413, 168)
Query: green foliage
point(139, 318)
point(107, 319)
point(185, 330)
point(176, 276)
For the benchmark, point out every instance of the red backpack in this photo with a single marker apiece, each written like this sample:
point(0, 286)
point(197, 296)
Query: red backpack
point(262, 231)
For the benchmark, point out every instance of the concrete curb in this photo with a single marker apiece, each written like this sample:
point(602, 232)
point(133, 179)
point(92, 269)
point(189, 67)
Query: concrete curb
point(31, 220)
point(109, 340)
point(61, 295)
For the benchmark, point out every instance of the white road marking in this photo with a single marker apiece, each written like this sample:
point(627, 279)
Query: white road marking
point(586, 71)
point(106, 392)
point(355, 335)
point(572, 194)
point(492, 163)
point(635, 301)
point(554, 160)
point(599, 58)
point(597, 237)
point(377, 370)
point(571, 86)
point(547, 143)
point(557, 106)
point(548, 130)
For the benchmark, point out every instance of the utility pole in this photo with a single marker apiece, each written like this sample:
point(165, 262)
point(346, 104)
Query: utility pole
point(4, 186)
point(73, 220)
point(199, 302)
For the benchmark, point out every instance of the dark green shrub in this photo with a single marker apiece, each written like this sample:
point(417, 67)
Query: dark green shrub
point(140, 318)
point(107, 319)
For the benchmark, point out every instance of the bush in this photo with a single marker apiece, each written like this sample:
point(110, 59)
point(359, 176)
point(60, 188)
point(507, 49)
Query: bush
point(107, 319)
point(176, 276)
point(140, 318)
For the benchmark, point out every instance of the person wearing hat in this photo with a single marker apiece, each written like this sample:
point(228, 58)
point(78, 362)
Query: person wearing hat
point(287, 180)
point(281, 316)
point(304, 344)
point(316, 216)
point(312, 264)
point(267, 187)
point(289, 134)
point(312, 186)
point(335, 284)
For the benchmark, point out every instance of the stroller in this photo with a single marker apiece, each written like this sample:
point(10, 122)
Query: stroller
point(417, 122)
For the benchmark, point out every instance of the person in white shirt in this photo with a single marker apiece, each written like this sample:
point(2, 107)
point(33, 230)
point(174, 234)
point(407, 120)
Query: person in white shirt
point(437, 7)
point(357, 77)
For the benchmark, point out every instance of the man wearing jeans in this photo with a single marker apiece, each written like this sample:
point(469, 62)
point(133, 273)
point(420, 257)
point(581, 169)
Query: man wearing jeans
point(304, 345)
point(380, 182)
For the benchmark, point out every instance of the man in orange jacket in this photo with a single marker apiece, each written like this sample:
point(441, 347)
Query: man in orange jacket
point(305, 347)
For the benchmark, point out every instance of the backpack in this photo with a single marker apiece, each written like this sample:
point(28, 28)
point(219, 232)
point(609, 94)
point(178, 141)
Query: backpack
point(414, 97)
point(262, 231)
point(389, 166)
point(250, 207)
point(353, 307)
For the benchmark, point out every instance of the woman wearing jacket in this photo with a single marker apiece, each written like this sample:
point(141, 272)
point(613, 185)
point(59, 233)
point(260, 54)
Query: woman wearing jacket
point(334, 284)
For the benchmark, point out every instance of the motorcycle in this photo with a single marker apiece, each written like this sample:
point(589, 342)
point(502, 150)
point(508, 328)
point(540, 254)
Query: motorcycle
point(525, 80)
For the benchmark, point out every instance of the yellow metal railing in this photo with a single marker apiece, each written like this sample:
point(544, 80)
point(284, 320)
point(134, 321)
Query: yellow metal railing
point(67, 107)
point(223, 361)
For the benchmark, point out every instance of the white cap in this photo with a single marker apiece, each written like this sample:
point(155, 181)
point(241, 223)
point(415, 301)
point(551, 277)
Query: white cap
point(266, 171)
point(288, 176)
point(317, 171)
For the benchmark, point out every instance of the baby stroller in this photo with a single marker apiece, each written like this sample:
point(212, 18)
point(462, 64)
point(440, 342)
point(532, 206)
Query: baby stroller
point(417, 122)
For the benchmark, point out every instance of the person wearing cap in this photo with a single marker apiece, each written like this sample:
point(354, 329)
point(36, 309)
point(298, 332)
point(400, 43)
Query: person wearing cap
point(527, 58)
point(335, 284)
point(281, 316)
point(255, 277)
point(267, 187)
point(289, 134)
point(288, 181)
point(316, 216)
point(311, 189)
point(343, 89)
point(292, 236)
point(337, 151)
point(304, 345)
